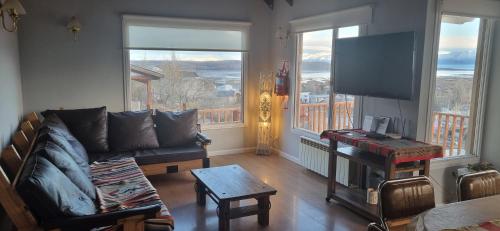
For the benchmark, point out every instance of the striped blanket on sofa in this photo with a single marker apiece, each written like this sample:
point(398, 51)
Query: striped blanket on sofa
point(121, 185)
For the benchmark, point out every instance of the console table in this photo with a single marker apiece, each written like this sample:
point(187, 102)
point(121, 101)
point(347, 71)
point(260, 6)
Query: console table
point(389, 155)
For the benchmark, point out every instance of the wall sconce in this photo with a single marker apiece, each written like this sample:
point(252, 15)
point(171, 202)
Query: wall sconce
point(13, 9)
point(74, 26)
point(283, 35)
point(265, 102)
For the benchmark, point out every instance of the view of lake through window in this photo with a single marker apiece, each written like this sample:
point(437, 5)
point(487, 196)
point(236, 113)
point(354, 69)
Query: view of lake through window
point(178, 80)
point(314, 74)
point(454, 87)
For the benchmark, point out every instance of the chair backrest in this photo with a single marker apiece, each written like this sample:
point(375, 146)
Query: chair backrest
point(477, 185)
point(375, 227)
point(402, 199)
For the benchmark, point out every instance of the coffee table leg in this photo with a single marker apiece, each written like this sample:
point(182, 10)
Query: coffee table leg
point(200, 193)
point(224, 208)
point(264, 206)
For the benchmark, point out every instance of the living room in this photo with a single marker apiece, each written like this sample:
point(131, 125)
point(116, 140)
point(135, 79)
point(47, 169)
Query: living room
point(238, 63)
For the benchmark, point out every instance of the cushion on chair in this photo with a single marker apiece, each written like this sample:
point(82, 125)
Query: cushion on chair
point(478, 185)
point(49, 193)
point(191, 151)
point(176, 128)
point(131, 131)
point(89, 126)
point(64, 162)
point(405, 198)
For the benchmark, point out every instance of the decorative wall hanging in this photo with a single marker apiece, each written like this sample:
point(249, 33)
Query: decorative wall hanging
point(265, 102)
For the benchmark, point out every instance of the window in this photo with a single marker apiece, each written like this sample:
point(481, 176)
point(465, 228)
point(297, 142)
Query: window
point(178, 64)
point(458, 73)
point(314, 73)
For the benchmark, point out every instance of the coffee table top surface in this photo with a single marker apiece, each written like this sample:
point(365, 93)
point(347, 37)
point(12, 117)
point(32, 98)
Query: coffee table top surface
point(232, 182)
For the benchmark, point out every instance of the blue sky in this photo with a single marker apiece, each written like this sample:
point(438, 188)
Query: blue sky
point(463, 33)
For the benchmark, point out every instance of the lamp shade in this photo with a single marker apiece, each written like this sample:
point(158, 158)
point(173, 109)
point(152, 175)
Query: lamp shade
point(14, 5)
point(74, 24)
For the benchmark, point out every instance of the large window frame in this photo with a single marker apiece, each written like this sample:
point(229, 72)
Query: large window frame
point(355, 117)
point(480, 82)
point(243, 27)
point(360, 16)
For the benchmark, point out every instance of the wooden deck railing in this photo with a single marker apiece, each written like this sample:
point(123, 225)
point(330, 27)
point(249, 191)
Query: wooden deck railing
point(219, 116)
point(449, 130)
point(314, 117)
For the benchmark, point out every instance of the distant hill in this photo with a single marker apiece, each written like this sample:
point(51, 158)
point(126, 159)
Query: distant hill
point(192, 65)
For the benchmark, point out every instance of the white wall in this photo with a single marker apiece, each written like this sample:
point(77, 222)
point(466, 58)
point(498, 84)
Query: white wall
point(11, 107)
point(58, 72)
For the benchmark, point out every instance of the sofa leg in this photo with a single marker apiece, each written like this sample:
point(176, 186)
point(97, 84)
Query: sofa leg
point(206, 162)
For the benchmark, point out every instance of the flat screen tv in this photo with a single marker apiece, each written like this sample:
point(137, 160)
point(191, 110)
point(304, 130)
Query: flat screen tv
point(378, 66)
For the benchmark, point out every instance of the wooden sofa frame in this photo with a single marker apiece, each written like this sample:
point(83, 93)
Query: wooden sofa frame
point(13, 158)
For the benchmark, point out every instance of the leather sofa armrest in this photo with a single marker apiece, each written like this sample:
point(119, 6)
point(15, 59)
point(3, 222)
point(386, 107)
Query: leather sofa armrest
point(102, 219)
point(203, 139)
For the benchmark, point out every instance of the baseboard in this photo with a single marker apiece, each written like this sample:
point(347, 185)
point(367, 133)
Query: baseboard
point(287, 156)
point(231, 151)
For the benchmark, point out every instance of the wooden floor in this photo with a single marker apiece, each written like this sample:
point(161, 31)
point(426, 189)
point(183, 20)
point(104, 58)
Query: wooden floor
point(299, 204)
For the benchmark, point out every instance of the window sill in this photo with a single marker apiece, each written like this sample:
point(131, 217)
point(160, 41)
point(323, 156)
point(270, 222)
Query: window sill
point(454, 161)
point(306, 133)
point(222, 126)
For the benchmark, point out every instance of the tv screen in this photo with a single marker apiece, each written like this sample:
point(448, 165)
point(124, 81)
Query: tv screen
point(379, 66)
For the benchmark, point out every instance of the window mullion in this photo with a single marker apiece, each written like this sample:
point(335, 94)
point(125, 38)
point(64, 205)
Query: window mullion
point(331, 113)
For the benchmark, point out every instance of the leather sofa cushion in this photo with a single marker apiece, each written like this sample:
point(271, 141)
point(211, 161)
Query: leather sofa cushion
point(154, 156)
point(131, 131)
point(176, 128)
point(89, 126)
point(64, 162)
point(49, 193)
point(53, 129)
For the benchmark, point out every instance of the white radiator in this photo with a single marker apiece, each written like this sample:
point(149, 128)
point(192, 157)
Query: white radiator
point(313, 155)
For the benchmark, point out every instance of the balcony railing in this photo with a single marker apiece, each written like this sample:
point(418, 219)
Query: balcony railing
point(314, 117)
point(219, 116)
point(450, 131)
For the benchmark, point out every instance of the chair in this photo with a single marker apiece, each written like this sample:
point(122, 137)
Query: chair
point(402, 199)
point(375, 227)
point(477, 185)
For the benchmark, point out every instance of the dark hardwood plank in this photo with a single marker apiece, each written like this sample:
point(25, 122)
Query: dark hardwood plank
point(299, 205)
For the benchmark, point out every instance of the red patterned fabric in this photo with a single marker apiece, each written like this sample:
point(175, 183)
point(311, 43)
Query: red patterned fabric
point(121, 184)
point(403, 150)
point(493, 225)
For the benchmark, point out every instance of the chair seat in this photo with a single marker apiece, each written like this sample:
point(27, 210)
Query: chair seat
point(155, 156)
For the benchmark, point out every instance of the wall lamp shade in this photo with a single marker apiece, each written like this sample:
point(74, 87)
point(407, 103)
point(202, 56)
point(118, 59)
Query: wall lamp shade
point(74, 26)
point(13, 9)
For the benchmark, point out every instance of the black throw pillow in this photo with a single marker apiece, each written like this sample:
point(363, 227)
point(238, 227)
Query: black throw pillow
point(131, 131)
point(176, 128)
point(89, 126)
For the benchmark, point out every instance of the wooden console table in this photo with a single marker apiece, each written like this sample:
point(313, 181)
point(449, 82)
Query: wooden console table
point(389, 155)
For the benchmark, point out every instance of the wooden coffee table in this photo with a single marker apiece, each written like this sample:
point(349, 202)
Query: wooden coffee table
point(233, 183)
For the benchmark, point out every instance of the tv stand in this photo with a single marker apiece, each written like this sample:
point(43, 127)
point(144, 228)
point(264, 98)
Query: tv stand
point(357, 151)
